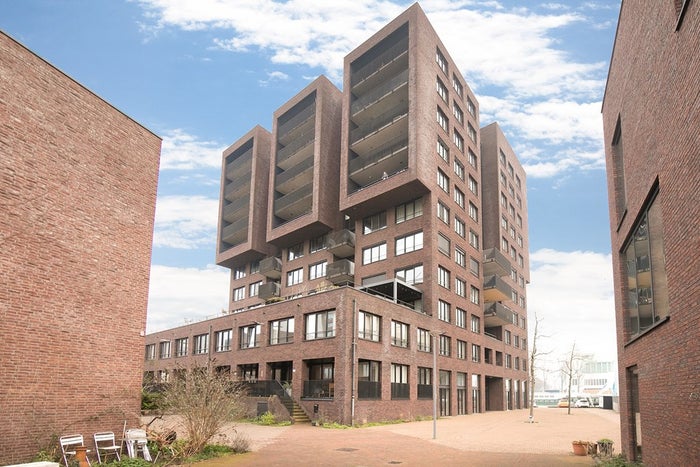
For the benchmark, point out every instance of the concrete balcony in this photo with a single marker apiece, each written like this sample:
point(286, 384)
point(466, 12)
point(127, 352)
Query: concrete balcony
point(271, 267)
point(496, 289)
point(496, 314)
point(495, 263)
point(341, 272)
point(269, 290)
point(342, 243)
point(235, 233)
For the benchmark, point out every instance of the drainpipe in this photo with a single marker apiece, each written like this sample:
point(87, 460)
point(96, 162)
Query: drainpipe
point(352, 366)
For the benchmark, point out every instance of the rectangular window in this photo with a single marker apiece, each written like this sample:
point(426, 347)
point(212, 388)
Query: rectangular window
point(474, 295)
point(374, 222)
point(239, 272)
point(460, 257)
point(318, 270)
point(425, 383)
point(443, 311)
point(254, 267)
point(461, 350)
point(374, 253)
point(471, 108)
point(443, 181)
point(474, 239)
point(320, 325)
point(442, 90)
point(443, 213)
point(368, 326)
point(409, 210)
point(459, 115)
point(442, 120)
point(460, 287)
point(181, 347)
point(476, 353)
point(474, 266)
point(459, 197)
point(368, 383)
point(471, 132)
point(201, 344)
point(457, 85)
point(295, 251)
point(409, 243)
point(507, 337)
point(399, 381)
point(150, 352)
point(411, 275)
point(473, 185)
point(443, 151)
point(461, 318)
point(295, 277)
point(282, 331)
point(471, 158)
point(254, 288)
point(318, 243)
point(460, 228)
point(502, 178)
point(223, 340)
point(445, 345)
point(399, 334)
point(459, 169)
point(443, 277)
point(164, 350)
point(473, 212)
point(238, 294)
point(459, 141)
point(441, 61)
point(423, 340)
point(475, 324)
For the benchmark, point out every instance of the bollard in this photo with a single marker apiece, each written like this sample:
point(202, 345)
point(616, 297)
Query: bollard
point(81, 456)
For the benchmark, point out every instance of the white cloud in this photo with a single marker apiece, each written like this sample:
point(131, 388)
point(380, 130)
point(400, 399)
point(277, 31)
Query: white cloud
point(182, 151)
point(272, 77)
point(185, 222)
point(572, 293)
point(180, 294)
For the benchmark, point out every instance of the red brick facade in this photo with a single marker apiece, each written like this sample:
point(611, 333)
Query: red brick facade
point(77, 196)
point(651, 115)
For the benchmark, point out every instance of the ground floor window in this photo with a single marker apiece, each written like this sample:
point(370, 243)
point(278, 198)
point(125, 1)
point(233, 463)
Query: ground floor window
point(461, 382)
point(368, 380)
point(248, 372)
point(399, 381)
point(445, 399)
point(319, 384)
point(476, 394)
point(425, 383)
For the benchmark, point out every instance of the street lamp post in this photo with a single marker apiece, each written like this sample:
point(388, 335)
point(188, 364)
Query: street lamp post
point(435, 385)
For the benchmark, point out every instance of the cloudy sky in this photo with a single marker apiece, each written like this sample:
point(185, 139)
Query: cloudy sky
point(202, 73)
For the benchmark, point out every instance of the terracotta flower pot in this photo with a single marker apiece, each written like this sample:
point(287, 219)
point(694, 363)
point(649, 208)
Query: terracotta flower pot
point(580, 449)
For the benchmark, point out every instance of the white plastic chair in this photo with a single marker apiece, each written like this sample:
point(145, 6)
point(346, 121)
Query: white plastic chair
point(106, 445)
point(68, 445)
point(137, 441)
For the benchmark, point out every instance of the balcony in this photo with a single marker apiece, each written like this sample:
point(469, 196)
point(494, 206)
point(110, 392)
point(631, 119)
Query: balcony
point(269, 290)
point(234, 210)
point(389, 94)
point(236, 232)
point(496, 289)
point(318, 389)
point(342, 243)
point(295, 177)
point(235, 190)
point(294, 204)
point(240, 167)
point(390, 159)
point(341, 272)
point(495, 263)
point(299, 123)
point(296, 151)
point(271, 267)
point(496, 314)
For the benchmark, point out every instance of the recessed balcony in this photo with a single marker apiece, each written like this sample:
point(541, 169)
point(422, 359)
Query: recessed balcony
point(236, 232)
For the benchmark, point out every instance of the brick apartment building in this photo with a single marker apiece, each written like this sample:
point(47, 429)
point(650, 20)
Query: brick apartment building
point(77, 198)
point(371, 232)
point(651, 116)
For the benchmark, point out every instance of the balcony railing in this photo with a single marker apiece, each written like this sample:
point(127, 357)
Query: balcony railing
point(341, 271)
point(284, 202)
point(425, 391)
point(295, 171)
point(269, 290)
point(318, 389)
point(271, 267)
point(342, 243)
point(398, 145)
point(378, 93)
point(296, 120)
point(400, 391)
point(386, 57)
point(497, 314)
point(496, 263)
point(369, 390)
point(496, 289)
point(293, 147)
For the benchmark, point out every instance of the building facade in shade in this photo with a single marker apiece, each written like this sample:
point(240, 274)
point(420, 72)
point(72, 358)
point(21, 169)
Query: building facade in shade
point(77, 200)
point(651, 117)
point(373, 288)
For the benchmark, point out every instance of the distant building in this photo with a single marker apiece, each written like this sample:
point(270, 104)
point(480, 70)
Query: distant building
point(77, 199)
point(651, 115)
point(371, 231)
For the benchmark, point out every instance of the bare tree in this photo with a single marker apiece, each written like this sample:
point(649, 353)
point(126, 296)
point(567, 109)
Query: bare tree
point(570, 368)
point(534, 355)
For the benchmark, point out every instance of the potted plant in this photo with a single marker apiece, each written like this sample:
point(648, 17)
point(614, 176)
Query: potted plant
point(580, 447)
point(605, 447)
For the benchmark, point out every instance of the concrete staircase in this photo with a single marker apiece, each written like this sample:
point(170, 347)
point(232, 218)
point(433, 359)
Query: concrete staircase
point(297, 413)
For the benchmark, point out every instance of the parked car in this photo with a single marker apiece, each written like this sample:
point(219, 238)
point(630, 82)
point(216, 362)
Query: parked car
point(563, 402)
point(582, 403)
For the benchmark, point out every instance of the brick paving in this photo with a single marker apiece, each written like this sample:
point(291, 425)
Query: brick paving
point(489, 439)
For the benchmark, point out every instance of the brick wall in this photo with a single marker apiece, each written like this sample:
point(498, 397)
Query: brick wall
point(77, 195)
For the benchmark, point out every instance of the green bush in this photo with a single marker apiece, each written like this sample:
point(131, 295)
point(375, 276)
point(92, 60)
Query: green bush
point(126, 462)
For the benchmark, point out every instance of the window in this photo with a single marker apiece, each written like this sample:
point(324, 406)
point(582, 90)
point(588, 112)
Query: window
point(374, 253)
point(502, 178)
point(295, 277)
point(460, 228)
point(442, 181)
point(470, 107)
point(461, 318)
point(254, 267)
point(411, 275)
point(238, 294)
point(476, 353)
point(509, 363)
point(423, 340)
point(647, 293)
point(521, 262)
point(461, 350)
point(441, 61)
point(282, 331)
point(504, 200)
point(516, 341)
point(164, 350)
point(399, 381)
point(457, 85)
point(473, 212)
point(519, 220)
point(318, 243)
point(409, 243)
point(510, 170)
point(443, 277)
point(150, 352)
point(318, 270)
point(445, 345)
point(460, 257)
point(442, 90)
point(443, 151)
point(223, 340)
point(507, 337)
point(443, 311)
point(296, 251)
point(471, 158)
point(459, 141)
point(460, 287)
point(504, 245)
point(474, 239)
point(425, 383)
point(473, 186)
point(409, 210)
point(501, 156)
point(320, 325)
point(201, 344)
point(399, 334)
point(254, 288)
point(475, 324)
point(459, 115)
point(459, 197)
point(474, 295)
point(368, 383)
point(511, 210)
point(368, 326)
point(459, 169)
point(373, 223)
point(239, 272)
point(474, 266)
point(181, 347)
point(471, 132)
point(443, 213)
point(442, 119)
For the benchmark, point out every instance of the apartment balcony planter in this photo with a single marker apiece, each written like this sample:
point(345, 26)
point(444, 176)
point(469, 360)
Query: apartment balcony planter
point(342, 243)
point(271, 267)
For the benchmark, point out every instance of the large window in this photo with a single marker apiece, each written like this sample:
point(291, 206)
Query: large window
point(411, 275)
point(399, 334)
point(223, 340)
point(461, 350)
point(374, 222)
point(164, 350)
point(441, 61)
point(320, 325)
point(250, 336)
point(473, 212)
point(445, 345)
point(442, 150)
point(460, 287)
point(425, 383)
point(442, 90)
point(254, 288)
point(443, 213)
point(282, 331)
point(459, 141)
point(296, 251)
point(201, 344)
point(368, 382)
point(443, 277)
point(368, 326)
point(238, 294)
point(443, 311)
point(461, 318)
point(374, 253)
point(295, 276)
point(474, 239)
point(409, 243)
point(460, 257)
point(460, 228)
point(442, 119)
point(476, 353)
point(459, 197)
point(181, 347)
point(150, 352)
point(474, 295)
point(399, 381)
point(423, 340)
point(409, 210)
point(647, 292)
point(459, 115)
point(475, 324)
point(318, 270)
point(443, 181)
point(318, 243)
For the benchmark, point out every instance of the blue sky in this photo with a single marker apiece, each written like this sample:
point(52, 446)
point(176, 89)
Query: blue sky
point(201, 74)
